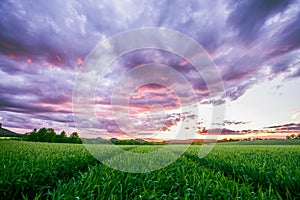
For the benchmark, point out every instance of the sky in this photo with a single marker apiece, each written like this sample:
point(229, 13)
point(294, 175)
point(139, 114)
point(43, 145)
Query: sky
point(254, 44)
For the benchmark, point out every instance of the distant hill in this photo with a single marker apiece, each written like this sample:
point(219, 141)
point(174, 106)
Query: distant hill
point(7, 133)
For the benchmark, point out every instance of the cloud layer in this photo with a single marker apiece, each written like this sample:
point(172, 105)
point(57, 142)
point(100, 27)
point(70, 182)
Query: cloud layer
point(42, 47)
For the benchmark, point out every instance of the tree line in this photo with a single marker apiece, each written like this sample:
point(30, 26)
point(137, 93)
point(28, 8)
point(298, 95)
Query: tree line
point(49, 135)
point(293, 136)
point(134, 142)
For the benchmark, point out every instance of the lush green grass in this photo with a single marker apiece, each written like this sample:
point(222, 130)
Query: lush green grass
point(68, 171)
point(30, 169)
point(8, 138)
point(264, 142)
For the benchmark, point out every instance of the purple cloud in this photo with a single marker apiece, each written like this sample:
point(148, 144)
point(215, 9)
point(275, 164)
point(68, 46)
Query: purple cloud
point(286, 127)
point(248, 17)
point(42, 46)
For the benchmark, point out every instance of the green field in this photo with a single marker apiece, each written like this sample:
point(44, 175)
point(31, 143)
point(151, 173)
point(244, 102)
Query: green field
point(231, 171)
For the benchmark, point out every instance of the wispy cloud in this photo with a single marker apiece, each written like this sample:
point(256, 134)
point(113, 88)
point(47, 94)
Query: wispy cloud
point(286, 127)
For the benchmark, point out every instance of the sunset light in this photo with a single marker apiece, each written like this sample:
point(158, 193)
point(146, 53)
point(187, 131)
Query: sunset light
point(165, 99)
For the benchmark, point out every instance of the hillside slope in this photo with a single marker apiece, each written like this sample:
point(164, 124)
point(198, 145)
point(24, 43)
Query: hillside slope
point(7, 133)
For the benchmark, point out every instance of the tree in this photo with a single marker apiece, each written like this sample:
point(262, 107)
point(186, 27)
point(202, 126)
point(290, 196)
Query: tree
point(62, 138)
point(74, 135)
point(293, 136)
point(40, 136)
point(63, 134)
point(74, 138)
point(50, 136)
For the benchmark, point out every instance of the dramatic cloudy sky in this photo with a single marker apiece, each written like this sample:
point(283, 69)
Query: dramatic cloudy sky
point(254, 44)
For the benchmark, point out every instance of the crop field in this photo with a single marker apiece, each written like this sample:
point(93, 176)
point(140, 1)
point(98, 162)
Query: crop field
point(31, 170)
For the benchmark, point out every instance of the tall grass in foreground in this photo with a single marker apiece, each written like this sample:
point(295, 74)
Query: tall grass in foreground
point(29, 168)
point(68, 171)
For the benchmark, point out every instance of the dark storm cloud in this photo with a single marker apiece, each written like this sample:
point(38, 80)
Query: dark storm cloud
point(201, 20)
point(258, 21)
point(55, 33)
point(30, 121)
point(9, 66)
point(289, 38)
point(28, 99)
point(46, 86)
point(240, 68)
point(248, 17)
